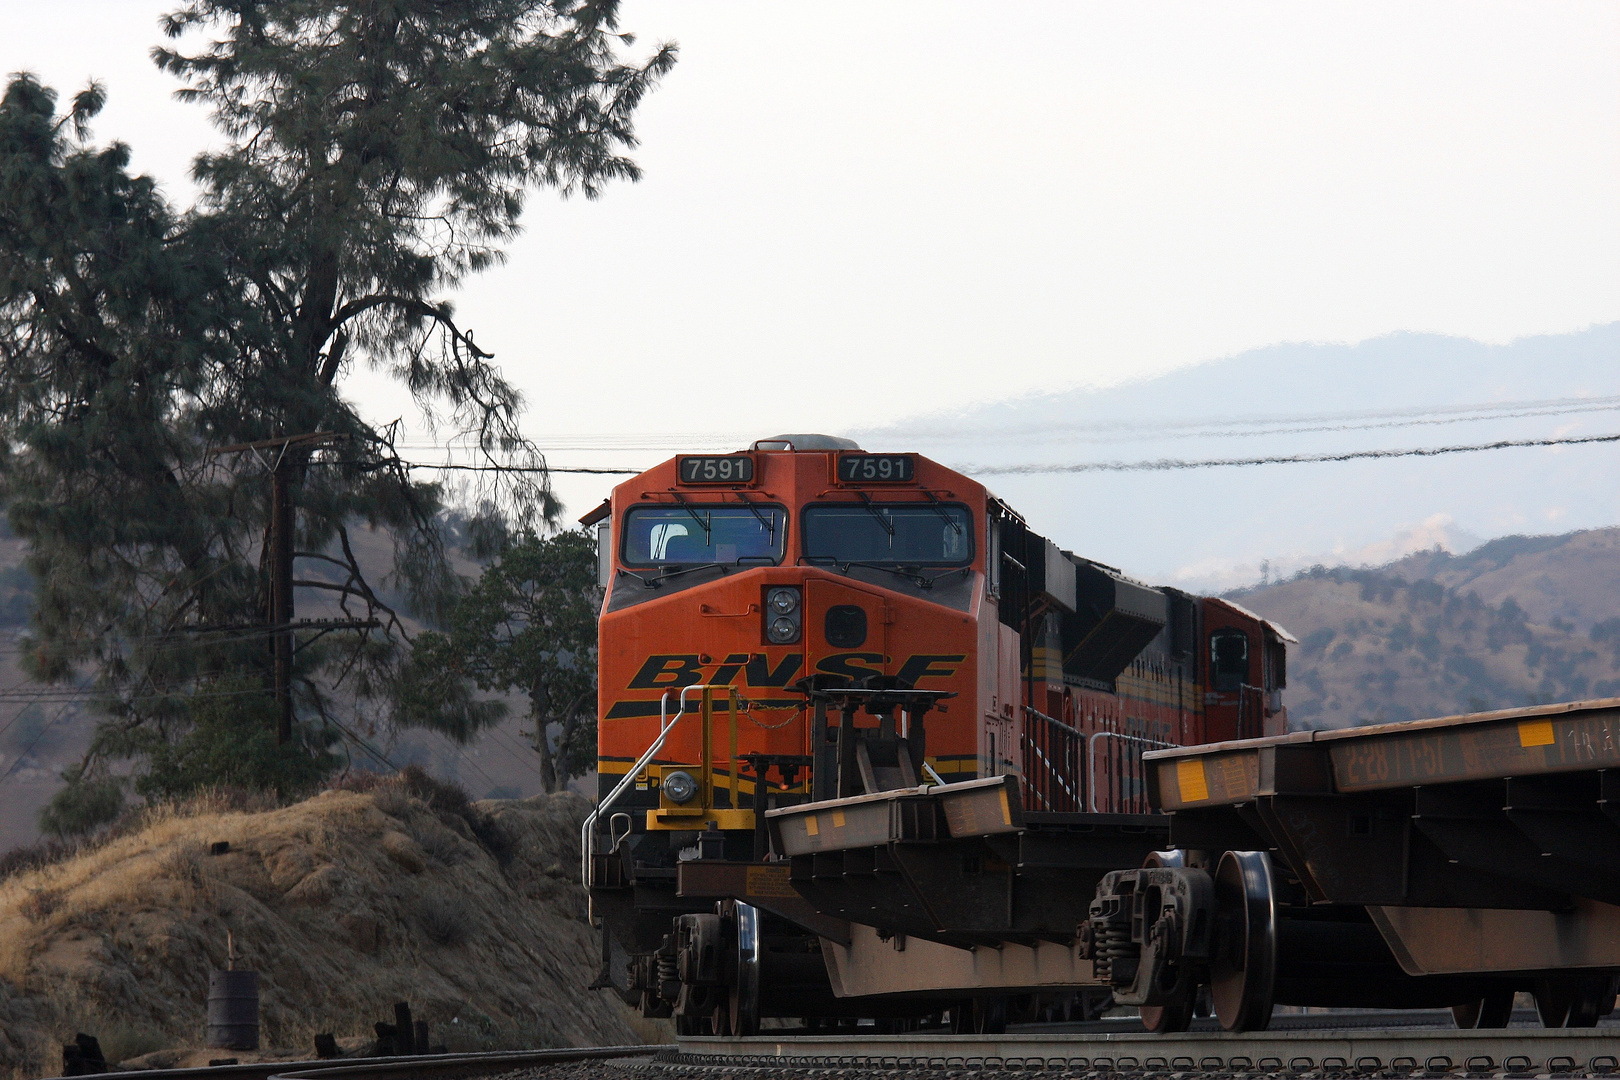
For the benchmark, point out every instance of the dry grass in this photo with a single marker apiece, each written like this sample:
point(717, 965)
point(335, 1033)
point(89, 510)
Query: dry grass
point(444, 918)
point(210, 801)
point(489, 947)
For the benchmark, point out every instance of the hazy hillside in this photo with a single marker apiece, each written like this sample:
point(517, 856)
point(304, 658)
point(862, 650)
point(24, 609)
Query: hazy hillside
point(1212, 528)
point(1520, 620)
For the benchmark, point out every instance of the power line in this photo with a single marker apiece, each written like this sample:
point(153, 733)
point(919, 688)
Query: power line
point(451, 467)
point(364, 744)
point(50, 696)
point(1216, 431)
point(37, 737)
point(1173, 464)
point(24, 712)
point(520, 468)
point(1216, 427)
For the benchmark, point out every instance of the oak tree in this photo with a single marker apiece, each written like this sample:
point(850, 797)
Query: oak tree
point(527, 626)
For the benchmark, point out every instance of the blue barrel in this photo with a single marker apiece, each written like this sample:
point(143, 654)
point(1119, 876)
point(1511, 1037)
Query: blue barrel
point(233, 1010)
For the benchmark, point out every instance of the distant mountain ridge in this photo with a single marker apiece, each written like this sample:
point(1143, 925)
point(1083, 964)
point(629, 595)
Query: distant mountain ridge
point(1212, 528)
point(1520, 620)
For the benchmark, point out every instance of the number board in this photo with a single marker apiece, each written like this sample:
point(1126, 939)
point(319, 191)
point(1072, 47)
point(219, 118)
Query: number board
point(877, 468)
point(730, 469)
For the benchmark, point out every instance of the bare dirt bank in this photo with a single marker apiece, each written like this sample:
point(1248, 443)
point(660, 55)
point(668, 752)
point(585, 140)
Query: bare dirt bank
point(344, 904)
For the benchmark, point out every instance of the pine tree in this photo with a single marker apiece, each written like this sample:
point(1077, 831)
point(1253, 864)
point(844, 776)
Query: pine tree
point(377, 154)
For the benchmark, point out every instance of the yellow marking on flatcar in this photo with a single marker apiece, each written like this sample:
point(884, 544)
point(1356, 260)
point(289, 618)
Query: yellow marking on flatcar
point(770, 881)
point(1536, 733)
point(1190, 780)
point(811, 828)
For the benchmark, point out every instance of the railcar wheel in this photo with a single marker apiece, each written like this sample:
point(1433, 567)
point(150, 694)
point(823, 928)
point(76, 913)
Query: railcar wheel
point(1167, 1019)
point(743, 1017)
point(1575, 1001)
point(1243, 973)
point(980, 1016)
point(1494, 1010)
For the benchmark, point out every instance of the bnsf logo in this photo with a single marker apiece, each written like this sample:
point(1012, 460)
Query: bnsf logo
point(664, 670)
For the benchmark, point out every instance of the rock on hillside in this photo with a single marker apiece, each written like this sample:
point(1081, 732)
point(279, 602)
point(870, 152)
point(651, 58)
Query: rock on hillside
point(344, 904)
point(1376, 647)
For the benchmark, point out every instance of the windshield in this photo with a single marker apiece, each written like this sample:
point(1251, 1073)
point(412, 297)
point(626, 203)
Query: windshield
point(905, 534)
point(703, 533)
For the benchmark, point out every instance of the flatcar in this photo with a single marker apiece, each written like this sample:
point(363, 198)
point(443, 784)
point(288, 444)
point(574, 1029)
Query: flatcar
point(805, 624)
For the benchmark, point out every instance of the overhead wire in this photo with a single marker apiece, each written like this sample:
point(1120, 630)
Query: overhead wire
point(38, 737)
point(1173, 464)
point(361, 742)
point(1259, 428)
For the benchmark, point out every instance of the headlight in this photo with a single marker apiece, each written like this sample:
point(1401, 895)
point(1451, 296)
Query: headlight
point(679, 787)
point(782, 615)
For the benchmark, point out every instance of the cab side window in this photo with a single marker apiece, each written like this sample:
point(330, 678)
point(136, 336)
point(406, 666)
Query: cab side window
point(1228, 659)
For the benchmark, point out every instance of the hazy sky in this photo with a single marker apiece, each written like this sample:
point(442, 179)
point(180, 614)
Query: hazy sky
point(854, 212)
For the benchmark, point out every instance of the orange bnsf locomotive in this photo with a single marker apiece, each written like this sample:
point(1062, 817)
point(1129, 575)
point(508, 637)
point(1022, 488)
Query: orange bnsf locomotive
point(807, 624)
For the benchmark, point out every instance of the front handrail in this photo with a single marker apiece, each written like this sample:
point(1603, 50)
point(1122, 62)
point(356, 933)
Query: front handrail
point(587, 832)
point(1054, 721)
point(1067, 783)
point(1091, 756)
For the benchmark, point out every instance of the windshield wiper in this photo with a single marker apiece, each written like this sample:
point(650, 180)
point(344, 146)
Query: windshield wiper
point(658, 579)
point(768, 522)
point(871, 508)
point(653, 583)
point(934, 505)
point(842, 567)
point(703, 522)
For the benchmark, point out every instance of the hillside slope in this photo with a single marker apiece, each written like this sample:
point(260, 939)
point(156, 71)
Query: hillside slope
point(1517, 621)
point(344, 904)
point(1573, 577)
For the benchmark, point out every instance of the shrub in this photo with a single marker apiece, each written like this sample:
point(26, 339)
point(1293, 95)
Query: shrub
point(82, 806)
point(444, 919)
point(46, 852)
point(120, 1042)
point(447, 800)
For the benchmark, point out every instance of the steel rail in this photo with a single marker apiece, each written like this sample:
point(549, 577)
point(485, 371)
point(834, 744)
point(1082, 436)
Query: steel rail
point(384, 1068)
point(1368, 1052)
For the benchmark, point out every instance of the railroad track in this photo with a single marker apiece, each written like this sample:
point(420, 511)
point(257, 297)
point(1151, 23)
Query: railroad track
point(438, 1066)
point(1341, 1046)
point(1373, 1052)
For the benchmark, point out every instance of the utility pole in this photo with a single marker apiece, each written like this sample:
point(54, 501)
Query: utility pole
point(282, 520)
point(280, 543)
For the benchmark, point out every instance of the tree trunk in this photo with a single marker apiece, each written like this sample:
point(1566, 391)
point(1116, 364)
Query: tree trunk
point(539, 701)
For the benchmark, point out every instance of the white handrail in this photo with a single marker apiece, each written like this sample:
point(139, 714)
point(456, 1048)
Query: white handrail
point(587, 832)
point(1091, 756)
